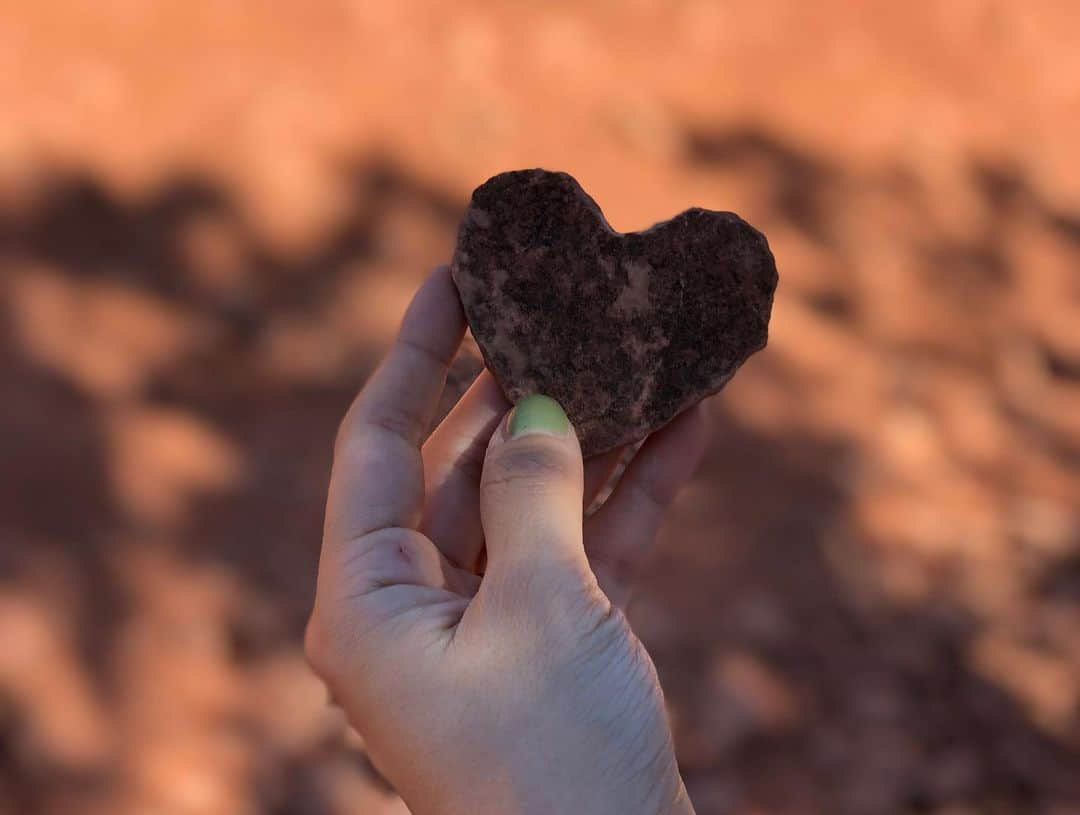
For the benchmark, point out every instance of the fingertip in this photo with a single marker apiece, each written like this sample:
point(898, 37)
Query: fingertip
point(699, 416)
point(705, 410)
point(537, 413)
point(435, 316)
point(701, 420)
point(692, 441)
point(671, 455)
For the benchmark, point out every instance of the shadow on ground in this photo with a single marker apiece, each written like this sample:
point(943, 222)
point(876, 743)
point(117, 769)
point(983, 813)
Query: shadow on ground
point(793, 689)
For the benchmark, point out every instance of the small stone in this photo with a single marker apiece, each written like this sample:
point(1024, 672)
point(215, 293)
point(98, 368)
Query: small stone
point(624, 330)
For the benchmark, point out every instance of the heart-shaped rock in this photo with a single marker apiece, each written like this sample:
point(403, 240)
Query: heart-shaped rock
point(624, 330)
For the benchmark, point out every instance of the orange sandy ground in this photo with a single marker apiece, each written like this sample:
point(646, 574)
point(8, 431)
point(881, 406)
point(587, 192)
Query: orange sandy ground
point(212, 214)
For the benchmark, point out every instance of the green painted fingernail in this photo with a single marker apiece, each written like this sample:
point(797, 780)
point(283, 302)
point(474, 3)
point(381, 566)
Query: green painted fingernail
point(538, 414)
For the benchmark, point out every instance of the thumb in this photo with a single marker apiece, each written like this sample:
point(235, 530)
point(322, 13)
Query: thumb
point(531, 490)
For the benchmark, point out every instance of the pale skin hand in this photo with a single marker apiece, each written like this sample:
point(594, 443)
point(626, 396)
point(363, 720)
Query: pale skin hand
point(522, 690)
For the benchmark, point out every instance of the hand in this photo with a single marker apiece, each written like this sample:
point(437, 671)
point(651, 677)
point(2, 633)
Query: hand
point(521, 689)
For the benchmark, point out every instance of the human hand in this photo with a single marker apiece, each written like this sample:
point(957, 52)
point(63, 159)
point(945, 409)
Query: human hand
point(467, 618)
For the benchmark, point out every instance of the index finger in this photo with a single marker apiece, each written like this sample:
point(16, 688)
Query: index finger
point(377, 479)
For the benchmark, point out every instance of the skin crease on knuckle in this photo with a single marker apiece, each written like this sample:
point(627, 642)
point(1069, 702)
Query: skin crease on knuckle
point(379, 558)
point(534, 465)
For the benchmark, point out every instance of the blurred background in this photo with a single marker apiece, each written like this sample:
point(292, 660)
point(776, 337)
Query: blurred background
point(212, 215)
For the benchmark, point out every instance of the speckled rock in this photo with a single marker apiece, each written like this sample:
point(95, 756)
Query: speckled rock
point(624, 330)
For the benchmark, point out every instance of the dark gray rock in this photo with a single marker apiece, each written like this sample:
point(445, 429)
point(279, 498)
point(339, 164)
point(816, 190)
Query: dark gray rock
point(624, 330)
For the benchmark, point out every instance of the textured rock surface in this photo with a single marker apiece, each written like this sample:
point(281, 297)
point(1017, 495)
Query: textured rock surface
point(625, 330)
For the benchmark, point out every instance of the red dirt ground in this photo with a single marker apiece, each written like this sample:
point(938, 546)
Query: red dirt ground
point(212, 214)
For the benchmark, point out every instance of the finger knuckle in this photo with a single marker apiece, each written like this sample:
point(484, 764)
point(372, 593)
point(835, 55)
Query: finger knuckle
point(378, 557)
point(346, 432)
point(397, 420)
point(527, 465)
